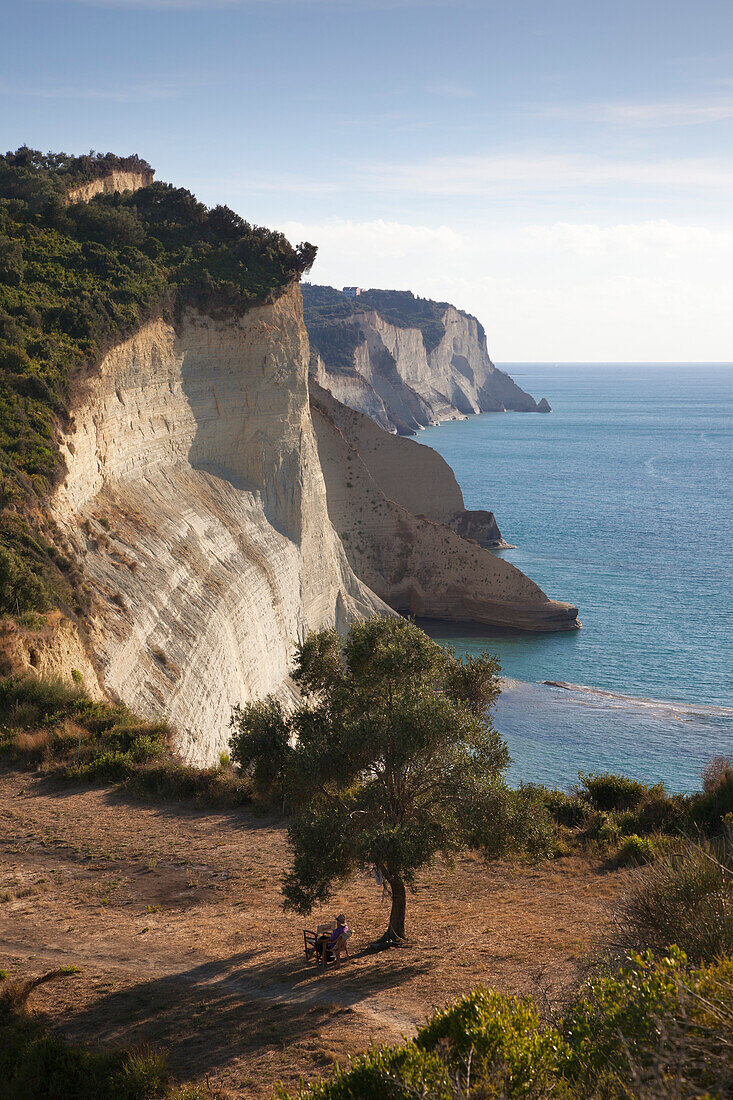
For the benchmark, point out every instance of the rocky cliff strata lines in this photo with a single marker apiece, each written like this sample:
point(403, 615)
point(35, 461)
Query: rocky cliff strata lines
point(109, 184)
point(381, 362)
point(195, 496)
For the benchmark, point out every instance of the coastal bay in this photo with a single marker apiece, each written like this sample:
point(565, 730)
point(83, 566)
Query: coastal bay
point(621, 499)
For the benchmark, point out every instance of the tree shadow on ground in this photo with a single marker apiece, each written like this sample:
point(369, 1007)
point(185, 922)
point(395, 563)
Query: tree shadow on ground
point(244, 1009)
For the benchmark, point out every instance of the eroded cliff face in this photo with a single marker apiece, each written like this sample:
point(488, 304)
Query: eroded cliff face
point(195, 498)
point(412, 475)
point(109, 184)
point(403, 386)
point(416, 565)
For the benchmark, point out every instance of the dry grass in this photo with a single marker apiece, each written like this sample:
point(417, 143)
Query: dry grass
point(173, 913)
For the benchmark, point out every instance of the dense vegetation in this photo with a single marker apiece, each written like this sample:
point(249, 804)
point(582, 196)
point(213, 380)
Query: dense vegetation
point(326, 311)
point(390, 758)
point(654, 1029)
point(57, 727)
point(74, 280)
point(633, 821)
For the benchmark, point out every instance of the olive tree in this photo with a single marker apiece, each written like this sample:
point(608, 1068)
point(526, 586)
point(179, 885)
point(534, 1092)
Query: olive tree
point(389, 759)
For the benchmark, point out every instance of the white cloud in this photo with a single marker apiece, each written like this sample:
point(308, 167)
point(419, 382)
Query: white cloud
point(507, 177)
point(654, 291)
point(478, 174)
point(648, 114)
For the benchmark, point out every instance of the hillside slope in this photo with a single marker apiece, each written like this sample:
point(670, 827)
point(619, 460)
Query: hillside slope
point(412, 475)
point(406, 362)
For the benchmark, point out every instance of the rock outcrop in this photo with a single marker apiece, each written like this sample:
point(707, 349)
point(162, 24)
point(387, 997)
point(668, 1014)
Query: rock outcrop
point(207, 538)
point(408, 364)
point(195, 499)
point(109, 184)
point(412, 475)
point(53, 650)
point(418, 566)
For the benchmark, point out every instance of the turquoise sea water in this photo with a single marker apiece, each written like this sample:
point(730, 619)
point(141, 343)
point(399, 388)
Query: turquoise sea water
point(620, 501)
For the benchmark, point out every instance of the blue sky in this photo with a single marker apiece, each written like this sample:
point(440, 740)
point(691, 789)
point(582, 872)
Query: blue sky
point(562, 169)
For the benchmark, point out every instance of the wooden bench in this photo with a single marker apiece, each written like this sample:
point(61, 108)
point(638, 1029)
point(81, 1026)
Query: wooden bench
point(311, 944)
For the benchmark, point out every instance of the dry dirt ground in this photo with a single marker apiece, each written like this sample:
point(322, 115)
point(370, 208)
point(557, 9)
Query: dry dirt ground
point(173, 915)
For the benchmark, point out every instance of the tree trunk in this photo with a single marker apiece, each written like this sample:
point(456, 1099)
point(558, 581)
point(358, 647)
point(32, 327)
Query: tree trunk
point(396, 930)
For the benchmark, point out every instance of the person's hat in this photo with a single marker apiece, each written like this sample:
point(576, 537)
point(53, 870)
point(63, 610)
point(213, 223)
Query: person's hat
point(341, 918)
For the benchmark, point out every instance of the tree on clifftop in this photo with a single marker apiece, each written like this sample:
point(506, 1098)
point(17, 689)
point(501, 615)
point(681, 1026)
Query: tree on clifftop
point(390, 759)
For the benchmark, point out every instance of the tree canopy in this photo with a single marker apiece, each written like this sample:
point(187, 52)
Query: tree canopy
point(390, 758)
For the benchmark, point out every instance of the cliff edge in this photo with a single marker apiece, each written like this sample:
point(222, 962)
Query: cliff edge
point(419, 566)
point(195, 501)
point(178, 511)
point(405, 362)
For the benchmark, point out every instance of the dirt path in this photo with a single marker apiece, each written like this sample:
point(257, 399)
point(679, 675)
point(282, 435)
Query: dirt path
point(173, 915)
point(209, 974)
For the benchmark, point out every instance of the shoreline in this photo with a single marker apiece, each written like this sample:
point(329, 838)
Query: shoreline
point(617, 699)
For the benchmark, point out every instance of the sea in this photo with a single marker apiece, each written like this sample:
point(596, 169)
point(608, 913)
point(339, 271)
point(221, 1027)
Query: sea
point(619, 501)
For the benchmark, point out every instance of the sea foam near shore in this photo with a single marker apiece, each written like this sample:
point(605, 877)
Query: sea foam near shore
point(553, 732)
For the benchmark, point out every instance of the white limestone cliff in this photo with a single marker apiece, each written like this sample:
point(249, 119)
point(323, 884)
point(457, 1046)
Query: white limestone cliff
point(195, 499)
point(404, 385)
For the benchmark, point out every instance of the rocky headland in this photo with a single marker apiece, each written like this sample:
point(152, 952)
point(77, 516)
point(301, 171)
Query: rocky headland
point(406, 362)
point(206, 506)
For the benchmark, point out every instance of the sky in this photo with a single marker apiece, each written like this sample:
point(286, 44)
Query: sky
point(563, 169)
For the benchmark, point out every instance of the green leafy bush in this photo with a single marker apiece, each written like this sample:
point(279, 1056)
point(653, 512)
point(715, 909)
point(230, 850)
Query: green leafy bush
point(502, 1039)
point(607, 791)
point(634, 850)
point(652, 1029)
point(605, 807)
point(716, 801)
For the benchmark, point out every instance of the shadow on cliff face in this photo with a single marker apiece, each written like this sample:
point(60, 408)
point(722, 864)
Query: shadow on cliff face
point(244, 1015)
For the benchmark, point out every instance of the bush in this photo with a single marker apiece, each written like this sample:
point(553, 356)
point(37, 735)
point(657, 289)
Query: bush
point(49, 723)
point(501, 1038)
point(484, 1045)
point(606, 791)
point(653, 1029)
point(715, 773)
point(515, 822)
point(708, 809)
point(565, 809)
point(683, 898)
point(635, 850)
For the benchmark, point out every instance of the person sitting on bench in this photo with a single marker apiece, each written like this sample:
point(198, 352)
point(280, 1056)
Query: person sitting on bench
point(335, 942)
